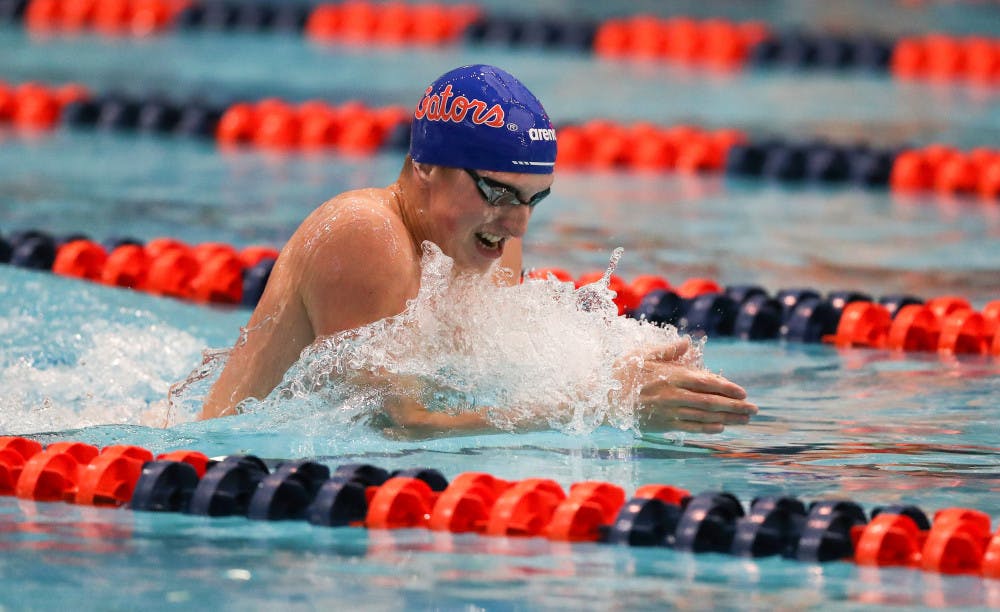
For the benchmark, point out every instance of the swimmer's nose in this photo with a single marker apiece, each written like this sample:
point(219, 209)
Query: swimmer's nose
point(515, 220)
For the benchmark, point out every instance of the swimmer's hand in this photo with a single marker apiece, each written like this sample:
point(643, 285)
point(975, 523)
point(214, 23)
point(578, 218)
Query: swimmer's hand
point(680, 398)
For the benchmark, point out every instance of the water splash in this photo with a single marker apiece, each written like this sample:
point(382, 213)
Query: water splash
point(539, 352)
point(115, 374)
point(595, 296)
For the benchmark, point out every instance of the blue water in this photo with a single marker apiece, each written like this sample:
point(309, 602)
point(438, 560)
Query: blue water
point(85, 362)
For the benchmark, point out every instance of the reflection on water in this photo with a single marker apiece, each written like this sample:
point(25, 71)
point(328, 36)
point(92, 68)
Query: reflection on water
point(79, 532)
point(224, 562)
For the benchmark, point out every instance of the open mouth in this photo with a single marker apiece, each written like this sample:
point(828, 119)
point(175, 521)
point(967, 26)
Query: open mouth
point(490, 241)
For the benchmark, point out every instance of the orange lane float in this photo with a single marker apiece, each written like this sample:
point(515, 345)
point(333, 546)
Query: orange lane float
point(35, 106)
point(711, 42)
point(942, 57)
point(111, 17)
point(947, 171)
point(361, 23)
point(274, 124)
point(599, 144)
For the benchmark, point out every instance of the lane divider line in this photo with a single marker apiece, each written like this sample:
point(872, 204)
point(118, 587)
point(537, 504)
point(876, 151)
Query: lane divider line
point(953, 541)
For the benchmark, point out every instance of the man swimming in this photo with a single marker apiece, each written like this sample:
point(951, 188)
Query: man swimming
point(482, 155)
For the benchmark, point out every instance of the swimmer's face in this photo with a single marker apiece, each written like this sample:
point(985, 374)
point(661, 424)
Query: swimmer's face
point(467, 227)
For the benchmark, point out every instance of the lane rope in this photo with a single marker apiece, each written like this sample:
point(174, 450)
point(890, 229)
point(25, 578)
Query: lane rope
point(712, 44)
point(355, 128)
point(217, 273)
point(955, 541)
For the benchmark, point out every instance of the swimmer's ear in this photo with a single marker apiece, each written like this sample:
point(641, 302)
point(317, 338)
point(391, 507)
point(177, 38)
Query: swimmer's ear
point(422, 171)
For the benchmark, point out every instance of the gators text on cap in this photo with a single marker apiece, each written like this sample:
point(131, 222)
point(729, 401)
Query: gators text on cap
point(482, 117)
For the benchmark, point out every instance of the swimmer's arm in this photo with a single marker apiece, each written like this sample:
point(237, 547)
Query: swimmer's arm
point(413, 419)
point(409, 416)
point(673, 397)
point(276, 333)
point(694, 401)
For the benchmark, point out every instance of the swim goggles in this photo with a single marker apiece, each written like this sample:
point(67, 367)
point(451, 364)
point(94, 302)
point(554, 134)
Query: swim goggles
point(499, 194)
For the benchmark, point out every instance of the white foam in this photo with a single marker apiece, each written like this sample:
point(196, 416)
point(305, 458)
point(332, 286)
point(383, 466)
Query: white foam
point(120, 375)
point(541, 350)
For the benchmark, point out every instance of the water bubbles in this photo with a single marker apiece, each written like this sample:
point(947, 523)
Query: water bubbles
point(539, 354)
point(542, 354)
point(119, 374)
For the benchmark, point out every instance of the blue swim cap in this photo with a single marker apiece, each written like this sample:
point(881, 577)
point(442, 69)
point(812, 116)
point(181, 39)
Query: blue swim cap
point(483, 118)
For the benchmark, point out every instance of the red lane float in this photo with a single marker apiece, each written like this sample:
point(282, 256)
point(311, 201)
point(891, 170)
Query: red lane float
point(34, 106)
point(275, 124)
point(589, 507)
point(644, 283)
point(466, 504)
point(80, 258)
point(253, 255)
point(948, 171)
point(197, 460)
point(665, 493)
point(942, 57)
point(693, 287)
point(644, 146)
point(525, 509)
point(208, 272)
point(713, 42)
point(915, 328)
point(890, 539)
point(401, 503)
point(946, 324)
point(14, 452)
point(956, 542)
point(109, 479)
point(862, 324)
point(991, 559)
point(54, 473)
point(111, 17)
point(963, 332)
point(126, 266)
point(362, 23)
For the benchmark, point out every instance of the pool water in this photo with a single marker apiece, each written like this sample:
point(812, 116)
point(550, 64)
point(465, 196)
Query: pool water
point(80, 361)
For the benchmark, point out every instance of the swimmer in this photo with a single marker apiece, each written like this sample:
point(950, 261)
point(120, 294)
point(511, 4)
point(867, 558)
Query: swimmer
point(482, 155)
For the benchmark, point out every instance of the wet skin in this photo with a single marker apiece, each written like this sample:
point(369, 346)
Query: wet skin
point(365, 244)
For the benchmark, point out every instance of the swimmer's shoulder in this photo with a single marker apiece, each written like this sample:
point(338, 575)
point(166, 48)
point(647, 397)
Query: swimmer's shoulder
point(361, 210)
point(355, 245)
point(361, 227)
point(376, 200)
point(358, 213)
